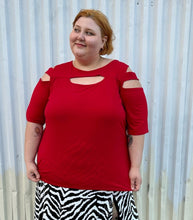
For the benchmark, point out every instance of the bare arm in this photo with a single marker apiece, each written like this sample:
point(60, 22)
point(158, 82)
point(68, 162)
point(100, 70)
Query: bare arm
point(33, 136)
point(135, 148)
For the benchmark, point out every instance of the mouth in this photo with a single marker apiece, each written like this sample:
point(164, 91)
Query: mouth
point(80, 45)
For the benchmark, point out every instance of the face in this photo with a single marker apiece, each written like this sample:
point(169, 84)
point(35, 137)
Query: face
point(85, 38)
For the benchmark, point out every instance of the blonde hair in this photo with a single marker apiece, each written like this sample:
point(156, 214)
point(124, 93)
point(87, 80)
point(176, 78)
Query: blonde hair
point(102, 21)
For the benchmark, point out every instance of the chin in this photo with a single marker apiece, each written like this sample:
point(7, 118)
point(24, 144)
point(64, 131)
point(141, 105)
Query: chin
point(78, 54)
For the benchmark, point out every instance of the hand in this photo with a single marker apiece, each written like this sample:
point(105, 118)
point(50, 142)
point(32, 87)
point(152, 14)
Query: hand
point(135, 178)
point(32, 172)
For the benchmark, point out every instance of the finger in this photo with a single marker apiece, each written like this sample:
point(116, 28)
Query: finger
point(37, 174)
point(133, 185)
point(32, 177)
point(137, 185)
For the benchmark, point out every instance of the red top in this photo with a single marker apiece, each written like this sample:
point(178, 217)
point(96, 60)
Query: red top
point(84, 144)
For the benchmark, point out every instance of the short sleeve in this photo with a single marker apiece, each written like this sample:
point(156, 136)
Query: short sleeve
point(135, 105)
point(37, 104)
point(50, 71)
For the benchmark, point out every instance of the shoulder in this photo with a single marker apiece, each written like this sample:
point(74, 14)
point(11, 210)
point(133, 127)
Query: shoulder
point(127, 78)
point(56, 71)
point(63, 66)
point(121, 66)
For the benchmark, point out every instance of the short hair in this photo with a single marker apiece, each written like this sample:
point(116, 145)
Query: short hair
point(102, 21)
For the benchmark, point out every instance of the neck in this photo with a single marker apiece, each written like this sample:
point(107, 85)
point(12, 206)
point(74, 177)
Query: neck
point(88, 64)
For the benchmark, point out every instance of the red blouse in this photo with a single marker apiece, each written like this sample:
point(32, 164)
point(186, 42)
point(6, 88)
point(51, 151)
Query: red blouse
point(84, 144)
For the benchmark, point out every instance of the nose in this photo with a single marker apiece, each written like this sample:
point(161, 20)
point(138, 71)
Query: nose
point(80, 36)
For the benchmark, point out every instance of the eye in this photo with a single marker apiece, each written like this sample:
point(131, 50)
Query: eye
point(89, 33)
point(76, 30)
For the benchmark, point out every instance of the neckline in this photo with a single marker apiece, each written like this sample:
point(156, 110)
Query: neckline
point(98, 70)
point(75, 72)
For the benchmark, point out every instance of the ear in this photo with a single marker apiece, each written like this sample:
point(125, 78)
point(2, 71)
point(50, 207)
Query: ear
point(104, 39)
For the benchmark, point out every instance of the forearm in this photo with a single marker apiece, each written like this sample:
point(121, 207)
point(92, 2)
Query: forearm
point(33, 136)
point(135, 148)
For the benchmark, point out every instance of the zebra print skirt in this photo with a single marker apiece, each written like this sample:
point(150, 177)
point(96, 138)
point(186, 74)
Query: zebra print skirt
point(59, 203)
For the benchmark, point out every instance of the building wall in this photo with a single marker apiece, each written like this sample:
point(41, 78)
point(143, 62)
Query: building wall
point(155, 37)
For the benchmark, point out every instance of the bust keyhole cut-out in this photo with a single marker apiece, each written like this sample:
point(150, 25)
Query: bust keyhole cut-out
point(87, 80)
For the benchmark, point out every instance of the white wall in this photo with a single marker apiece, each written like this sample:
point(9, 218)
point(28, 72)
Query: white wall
point(155, 37)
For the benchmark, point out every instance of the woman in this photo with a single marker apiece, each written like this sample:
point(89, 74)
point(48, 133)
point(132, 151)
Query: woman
point(95, 111)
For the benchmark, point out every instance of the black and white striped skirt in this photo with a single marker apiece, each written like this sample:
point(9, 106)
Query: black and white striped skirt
point(59, 203)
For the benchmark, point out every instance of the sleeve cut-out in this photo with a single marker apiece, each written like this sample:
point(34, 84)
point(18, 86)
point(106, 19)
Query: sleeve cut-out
point(131, 84)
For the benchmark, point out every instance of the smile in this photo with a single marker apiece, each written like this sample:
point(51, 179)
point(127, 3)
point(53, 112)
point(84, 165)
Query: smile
point(80, 45)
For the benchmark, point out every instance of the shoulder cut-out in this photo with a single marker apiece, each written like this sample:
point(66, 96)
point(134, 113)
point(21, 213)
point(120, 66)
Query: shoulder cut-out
point(45, 77)
point(129, 69)
point(131, 83)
